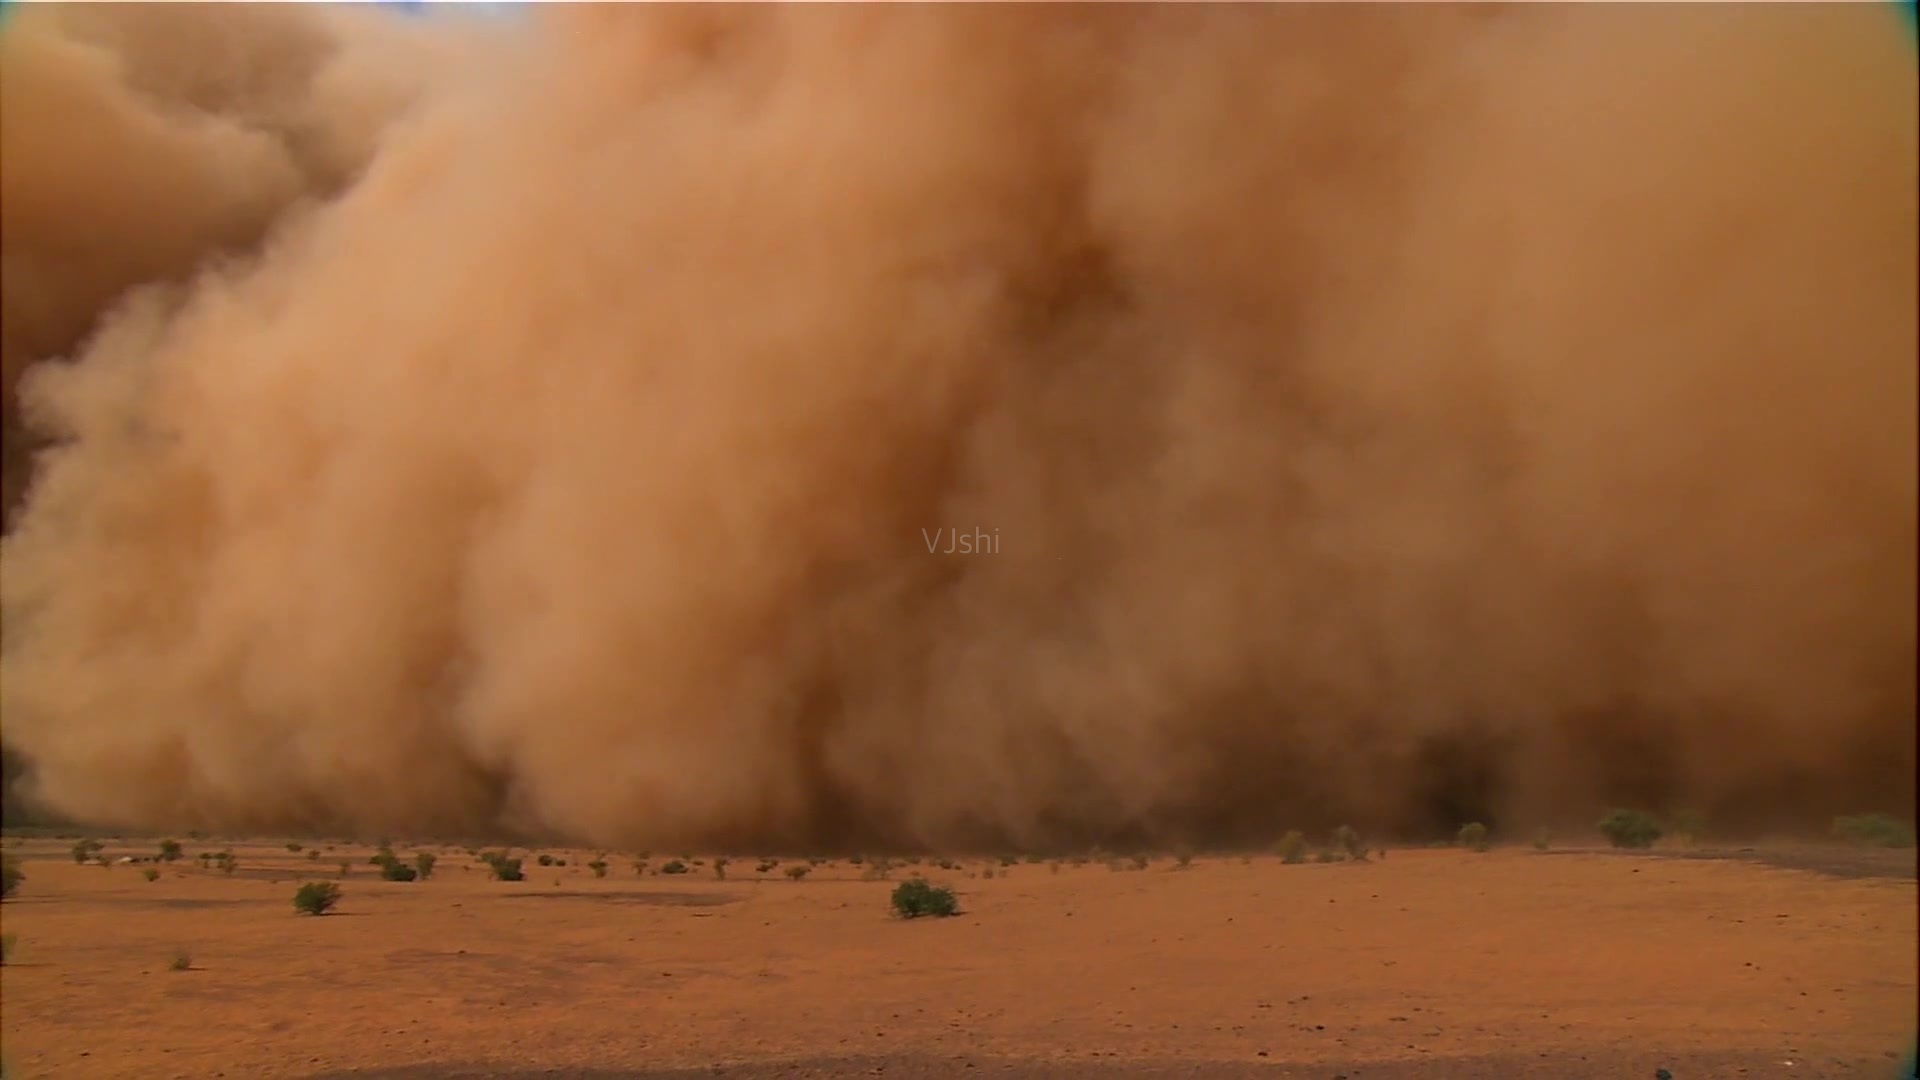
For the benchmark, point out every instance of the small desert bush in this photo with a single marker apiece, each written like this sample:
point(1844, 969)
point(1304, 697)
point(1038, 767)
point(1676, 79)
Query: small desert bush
point(169, 850)
point(85, 849)
point(673, 866)
point(766, 865)
point(1141, 862)
point(313, 854)
point(947, 864)
point(1348, 841)
point(1472, 836)
point(6, 947)
point(639, 868)
point(1009, 860)
point(544, 859)
point(1630, 828)
point(912, 899)
point(1542, 839)
point(395, 870)
point(346, 867)
point(423, 864)
point(504, 869)
point(150, 874)
point(226, 862)
point(293, 846)
point(1873, 830)
point(798, 871)
point(720, 869)
point(182, 961)
point(316, 897)
point(857, 859)
point(1325, 856)
point(599, 867)
point(1292, 847)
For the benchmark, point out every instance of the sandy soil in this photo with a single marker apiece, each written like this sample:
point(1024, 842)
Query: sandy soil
point(1427, 963)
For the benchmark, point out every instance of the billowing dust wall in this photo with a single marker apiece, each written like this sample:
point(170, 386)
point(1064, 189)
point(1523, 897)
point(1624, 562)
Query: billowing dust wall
point(1385, 414)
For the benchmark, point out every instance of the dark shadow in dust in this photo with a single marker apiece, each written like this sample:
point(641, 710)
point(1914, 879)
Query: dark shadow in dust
point(1851, 863)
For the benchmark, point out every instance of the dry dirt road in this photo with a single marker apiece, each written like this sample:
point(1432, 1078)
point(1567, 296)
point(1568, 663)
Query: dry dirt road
point(1427, 963)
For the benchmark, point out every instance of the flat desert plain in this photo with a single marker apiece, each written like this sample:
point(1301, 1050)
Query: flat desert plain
point(1778, 962)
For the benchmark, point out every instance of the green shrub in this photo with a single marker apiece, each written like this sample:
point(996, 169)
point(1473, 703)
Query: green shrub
point(169, 850)
point(226, 862)
point(720, 869)
point(395, 870)
point(10, 877)
point(599, 867)
point(798, 871)
point(1008, 860)
point(1292, 847)
point(85, 849)
point(313, 854)
point(545, 859)
point(150, 874)
point(293, 846)
point(316, 897)
point(766, 865)
point(1630, 828)
point(423, 864)
point(1472, 836)
point(912, 899)
point(947, 864)
point(639, 868)
point(673, 866)
point(1873, 830)
point(6, 947)
point(1183, 857)
point(505, 869)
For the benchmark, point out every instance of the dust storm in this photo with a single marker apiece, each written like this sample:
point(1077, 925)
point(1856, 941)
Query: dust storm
point(1396, 415)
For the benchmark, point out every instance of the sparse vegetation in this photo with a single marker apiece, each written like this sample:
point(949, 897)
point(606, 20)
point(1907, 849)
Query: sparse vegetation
point(1472, 836)
point(798, 871)
point(6, 947)
point(504, 868)
point(599, 867)
point(85, 849)
point(766, 865)
point(1874, 830)
point(1542, 839)
point(1008, 860)
point(673, 866)
point(313, 855)
point(912, 899)
point(1348, 841)
point(169, 850)
point(1292, 847)
point(720, 869)
point(293, 846)
point(182, 961)
point(1325, 856)
point(226, 862)
point(1141, 862)
point(10, 877)
point(544, 859)
point(346, 867)
point(1634, 829)
point(316, 897)
point(639, 868)
point(150, 874)
point(395, 870)
point(423, 864)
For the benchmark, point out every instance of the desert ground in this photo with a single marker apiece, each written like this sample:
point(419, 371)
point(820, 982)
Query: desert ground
point(1771, 961)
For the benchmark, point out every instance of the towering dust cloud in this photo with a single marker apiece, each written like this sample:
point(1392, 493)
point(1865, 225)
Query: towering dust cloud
point(1384, 414)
